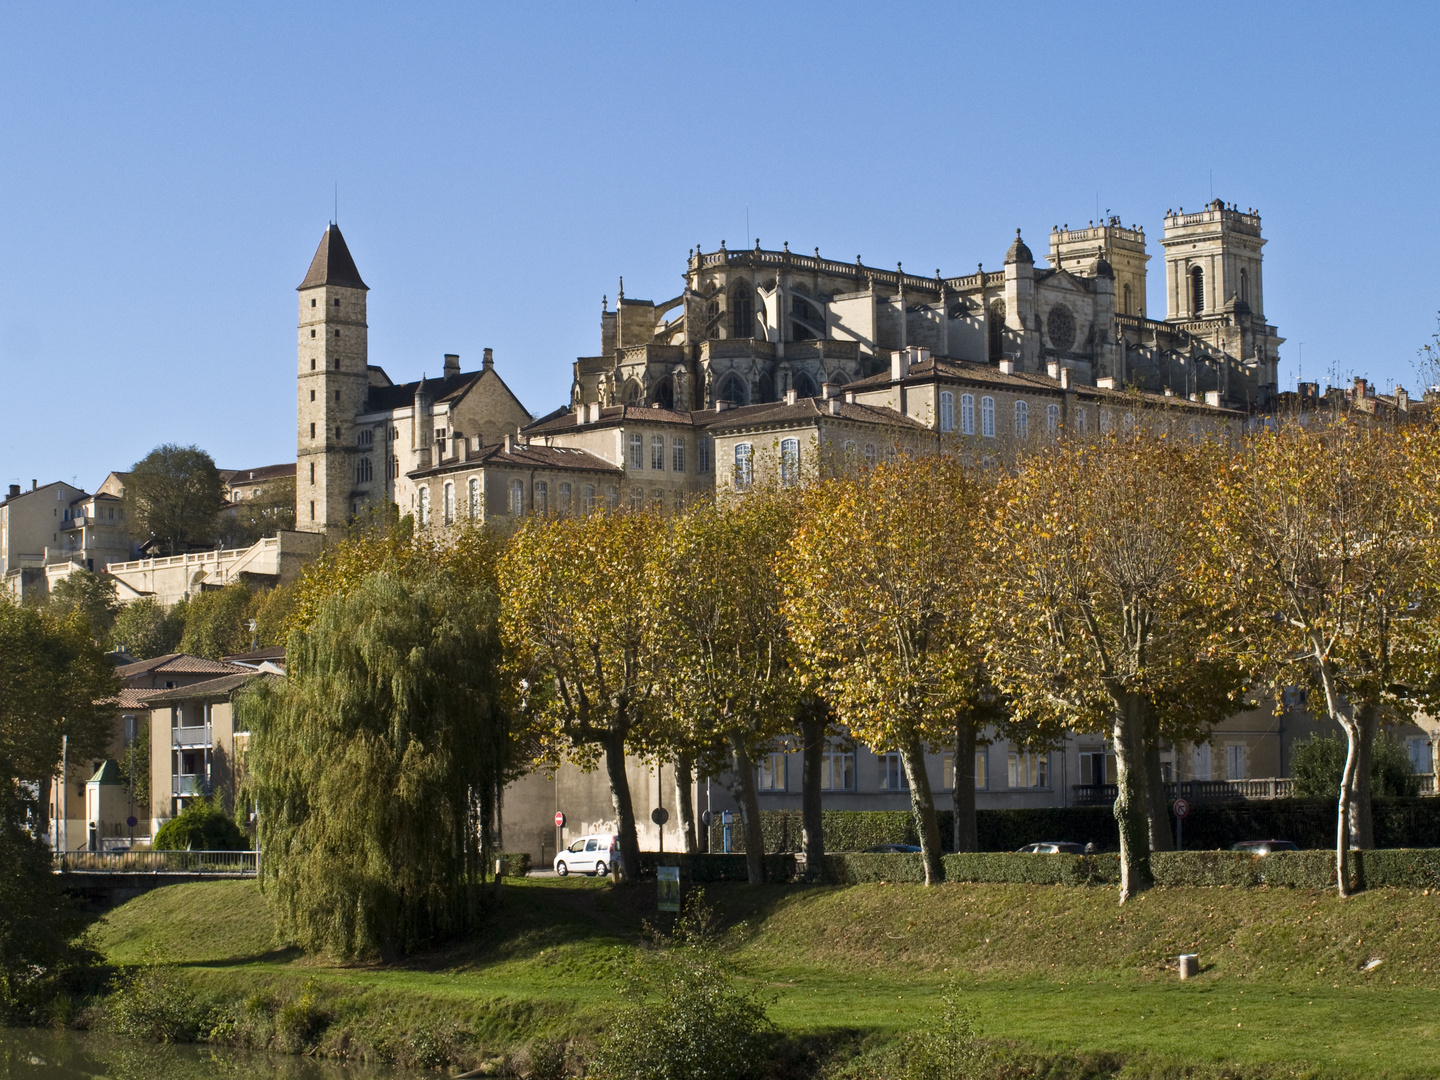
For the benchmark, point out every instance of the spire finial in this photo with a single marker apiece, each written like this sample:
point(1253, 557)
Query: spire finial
point(621, 294)
point(604, 303)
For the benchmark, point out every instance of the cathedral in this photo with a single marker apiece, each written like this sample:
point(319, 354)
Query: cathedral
point(772, 366)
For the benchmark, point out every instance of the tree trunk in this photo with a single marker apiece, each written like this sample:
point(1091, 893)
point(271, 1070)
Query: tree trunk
point(962, 797)
point(812, 737)
point(1161, 838)
point(624, 809)
point(1361, 818)
point(685, 801)
point(922, 804)
point(742, 787)
point(1130, 808)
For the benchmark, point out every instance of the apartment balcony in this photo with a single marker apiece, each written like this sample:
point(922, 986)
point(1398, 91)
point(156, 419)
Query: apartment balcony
point(187, 737)
point(188, 784)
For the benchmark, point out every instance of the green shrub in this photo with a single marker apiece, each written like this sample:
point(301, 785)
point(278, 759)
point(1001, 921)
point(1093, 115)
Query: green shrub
point(1234, 868)
point(716, 867)
point(546, 1060)
point(201, 826)
point(1319, 763)
point(515, 863)
point(155, 1004)
point(1399, 869)
point(949, 1051)
point(1013, 868)
point(298, 1022)
point(852, 868)
point(1298, 869)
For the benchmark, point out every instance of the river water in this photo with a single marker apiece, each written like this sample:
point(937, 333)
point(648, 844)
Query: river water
point(31, 1054)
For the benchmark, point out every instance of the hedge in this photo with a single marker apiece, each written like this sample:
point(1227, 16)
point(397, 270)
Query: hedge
point(514, 863)
point(1309, 823)
point(1011, 868)
point(716, 867)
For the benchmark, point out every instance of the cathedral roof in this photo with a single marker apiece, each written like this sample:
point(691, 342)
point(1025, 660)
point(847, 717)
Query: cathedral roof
point(332, 264)
point(1018, 252)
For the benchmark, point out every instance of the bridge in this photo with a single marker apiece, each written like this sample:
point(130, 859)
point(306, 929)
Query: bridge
point(105, 878)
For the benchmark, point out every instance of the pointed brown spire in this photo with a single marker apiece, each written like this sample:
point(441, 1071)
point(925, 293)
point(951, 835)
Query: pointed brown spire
point(332, 264)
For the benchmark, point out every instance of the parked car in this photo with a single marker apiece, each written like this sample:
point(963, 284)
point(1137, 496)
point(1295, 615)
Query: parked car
point(593, 854)
point(1053, 847)
point(1264, 847)
point(892, 849)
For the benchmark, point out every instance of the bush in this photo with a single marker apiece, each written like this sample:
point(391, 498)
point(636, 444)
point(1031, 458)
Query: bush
point(1012, 868)
point(515, 863)
point(686, 1018)
point(1398, 869)
point(716, 867)
point(852, 868)
point(153, 1003)
point(546, 1060)
point(1320, 762)
point(201, 826)
point(949, 1051)
point(1205, 868)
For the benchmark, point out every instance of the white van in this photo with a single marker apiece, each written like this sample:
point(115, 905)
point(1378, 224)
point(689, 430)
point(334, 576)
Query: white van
point(593, 854)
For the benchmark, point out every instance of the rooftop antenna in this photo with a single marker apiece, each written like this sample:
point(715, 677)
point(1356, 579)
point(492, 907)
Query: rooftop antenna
point(1300, 364)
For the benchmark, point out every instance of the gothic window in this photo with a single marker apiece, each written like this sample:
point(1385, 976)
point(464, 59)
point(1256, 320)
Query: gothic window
point(474, 497)
point(1022, 420)
point(732, 389)
point(565, 496)
point(637, 452)
point(996, 324)
point(789, 461)
point(424, 507)
point(394, 466)
point(657, 452)
point(364, 471)
point(804, 386)
point(947, 411)
point(766, 391)
point(1197, 290)
point(839, 378)
point(987, 417)
point(1125, 302)
point(1060, 326)
point(1052, 418)
point(744, 461)
point(712, 318)
point(367, 437)
point(967, 414)
point(677, 455)
point(665, 394)
point(742, 313)
point(1245, 285)
point(806, 323)
point(542, 497)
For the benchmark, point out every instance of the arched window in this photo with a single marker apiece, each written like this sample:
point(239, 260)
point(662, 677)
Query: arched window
point(424, 507)
point(987, 417)
point(657, 500)
point(947, 411)
point(637, 498)
point(1106, 422)
point(517, 497)
point(542, 497)
point(632, 393)
point(1127, 423)
point(702, 454)
point(367, 437)
point(806, 324)
point(851, 449)
point(364, 471)
point(474, 490)
point(870, 455)
point(712, 319)
point(637, 451)
point(612, 498)
point(1022, 420)
point(732, 389)
point(657, 452)
point(664, 394)
point(589, 493)
point(744, 462)
point(967, 414)
point(394, 466)
point(1197, 290)
point(789, 461)
point(996, 328)
point(1245, 285)
point(566, 495)
point(1052, 418)
point(742, 312)
point(1080, 421)
point(677, 455)
point(449, 504)
point(804, 385)
point(1125, 302)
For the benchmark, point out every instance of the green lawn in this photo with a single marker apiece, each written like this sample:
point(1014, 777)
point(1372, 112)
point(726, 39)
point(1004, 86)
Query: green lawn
point(1050, 970)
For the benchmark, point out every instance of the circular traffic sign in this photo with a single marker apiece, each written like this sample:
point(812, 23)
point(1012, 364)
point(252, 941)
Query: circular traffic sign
point(559, 820)
point(706, 817)
point(132, 821)
point(1181, 808)
point(659, 815)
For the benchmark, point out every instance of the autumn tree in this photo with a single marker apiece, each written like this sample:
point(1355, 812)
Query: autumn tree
point(144, 628)
point(576, 620)
point(879, 584)
point(172, 495)
point(1325, 539)
point(92, 596)
point(1092, 610)
point(727, 675)
point(267, 512)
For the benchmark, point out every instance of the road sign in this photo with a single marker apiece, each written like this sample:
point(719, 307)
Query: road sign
point(669, 881)
point(559, 820)
point(706, 818)
point(1181, 808)
point(659, 815)
point(132, 821)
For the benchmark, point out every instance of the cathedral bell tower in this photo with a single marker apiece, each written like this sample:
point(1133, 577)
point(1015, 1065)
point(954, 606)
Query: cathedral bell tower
point(1212, 263)
point(333, 383)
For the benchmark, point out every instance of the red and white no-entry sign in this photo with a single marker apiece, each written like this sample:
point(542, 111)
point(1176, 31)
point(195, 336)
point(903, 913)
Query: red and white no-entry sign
point(559, 819)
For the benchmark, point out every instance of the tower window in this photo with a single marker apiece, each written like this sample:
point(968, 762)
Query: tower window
point(742, 313)
point(312, 395)
point(1245, 285)
point(1125, 304)
point(312, 511)
point(337, 363)
point(312, 301)
point(364, 471)
point(312, 472)
point(312, 359)
point(337, 333)
point(337, 433)
point(312, 431)
point(337, 301)
point(1197, 290)
point(337, 395)
point(312, 333)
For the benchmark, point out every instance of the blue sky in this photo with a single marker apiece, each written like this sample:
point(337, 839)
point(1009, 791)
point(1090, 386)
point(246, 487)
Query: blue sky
point(166, 171)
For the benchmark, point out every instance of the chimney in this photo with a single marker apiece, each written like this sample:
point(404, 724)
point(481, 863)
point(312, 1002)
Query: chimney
point(1212, 398)
point(1107, 383)
point(34, 485)
point(829, 390)
point(834, 406)
point(595, 412)
point(14, 491)
point(1053, 369)
point(488, 363)
point(721, 404)
point(1064, 378)
point(509, 443)
point(458, 443)
point(1402, 399)
point(452, 364)
point(1007, 366)
point(791, 396)
point(899, 364)
point(849, 397)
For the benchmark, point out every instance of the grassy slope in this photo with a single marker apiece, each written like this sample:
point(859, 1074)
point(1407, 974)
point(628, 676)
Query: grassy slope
point(1054, 969)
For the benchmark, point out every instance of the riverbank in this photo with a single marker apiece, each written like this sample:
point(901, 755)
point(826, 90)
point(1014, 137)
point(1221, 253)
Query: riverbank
point(1060, 977)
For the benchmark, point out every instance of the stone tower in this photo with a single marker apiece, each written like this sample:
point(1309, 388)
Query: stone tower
point(1212, 263)
point(333, 382)
point(1077, 250)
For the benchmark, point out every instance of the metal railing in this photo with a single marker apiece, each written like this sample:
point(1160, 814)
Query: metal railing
point(187, 784)
point(190, 736)
point(1270, 787)
point(219, 863)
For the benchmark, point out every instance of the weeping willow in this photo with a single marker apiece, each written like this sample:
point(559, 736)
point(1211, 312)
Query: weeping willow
point(375, 769)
